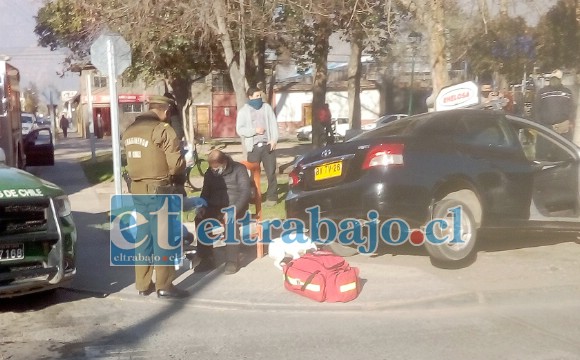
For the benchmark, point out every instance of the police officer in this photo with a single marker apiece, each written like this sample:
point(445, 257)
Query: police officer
point(153, 159)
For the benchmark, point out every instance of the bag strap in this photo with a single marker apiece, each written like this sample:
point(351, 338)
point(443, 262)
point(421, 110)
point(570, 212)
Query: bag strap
point(309, 280)
point(333, 267)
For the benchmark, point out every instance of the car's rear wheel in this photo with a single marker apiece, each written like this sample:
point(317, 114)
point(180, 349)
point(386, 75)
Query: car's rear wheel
point(461, 245)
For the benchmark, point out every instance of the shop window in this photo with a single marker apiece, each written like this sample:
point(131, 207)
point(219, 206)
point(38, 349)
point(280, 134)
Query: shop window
point(132, 107)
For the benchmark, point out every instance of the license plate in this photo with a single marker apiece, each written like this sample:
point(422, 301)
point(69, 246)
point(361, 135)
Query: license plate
point(11, 252)
point(328, 171)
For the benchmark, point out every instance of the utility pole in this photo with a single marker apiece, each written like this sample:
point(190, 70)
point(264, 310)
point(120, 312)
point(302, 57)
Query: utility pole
point(51, 110)
point(90, 116)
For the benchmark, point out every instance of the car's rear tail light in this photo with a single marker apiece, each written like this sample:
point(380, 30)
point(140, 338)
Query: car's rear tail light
point(294, 177)
point(384, 155)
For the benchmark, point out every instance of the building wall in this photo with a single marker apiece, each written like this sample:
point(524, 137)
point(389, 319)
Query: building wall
point(131, 102)
point(290, 106)
point(201, 98)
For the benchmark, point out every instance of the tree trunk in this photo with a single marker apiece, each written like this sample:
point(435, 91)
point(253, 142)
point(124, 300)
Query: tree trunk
point(260, 63)
point(236, 74)
point(271, 83)
point(354, 75)
point(435, 22)
point(322, 46)
point(503, 8)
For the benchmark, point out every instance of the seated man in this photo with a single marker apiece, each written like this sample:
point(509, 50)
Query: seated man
point(226, 183)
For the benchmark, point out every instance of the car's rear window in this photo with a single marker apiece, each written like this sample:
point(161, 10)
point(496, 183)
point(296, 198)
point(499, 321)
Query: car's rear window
point(404, 126)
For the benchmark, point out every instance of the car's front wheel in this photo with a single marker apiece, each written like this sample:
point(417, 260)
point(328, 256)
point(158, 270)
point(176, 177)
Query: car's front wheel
point(460, 230)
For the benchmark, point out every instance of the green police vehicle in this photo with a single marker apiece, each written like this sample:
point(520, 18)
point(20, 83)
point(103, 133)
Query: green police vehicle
point(37, 233)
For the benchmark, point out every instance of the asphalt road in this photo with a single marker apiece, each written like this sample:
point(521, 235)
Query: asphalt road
point(519, 300)
point(72, 325)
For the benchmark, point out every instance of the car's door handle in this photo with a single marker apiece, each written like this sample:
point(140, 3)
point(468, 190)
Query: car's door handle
point(545, 166)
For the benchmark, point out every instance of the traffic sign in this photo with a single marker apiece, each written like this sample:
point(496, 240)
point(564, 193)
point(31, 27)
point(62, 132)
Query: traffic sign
point(67, 95)
point(120, 49)
point(111, 55)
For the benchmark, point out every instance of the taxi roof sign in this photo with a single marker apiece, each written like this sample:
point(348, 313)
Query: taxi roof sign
point(458, 96)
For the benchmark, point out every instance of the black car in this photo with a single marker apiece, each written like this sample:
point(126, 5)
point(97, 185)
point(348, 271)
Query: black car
point(505, 172)
point(39, 147)
point(43, 123)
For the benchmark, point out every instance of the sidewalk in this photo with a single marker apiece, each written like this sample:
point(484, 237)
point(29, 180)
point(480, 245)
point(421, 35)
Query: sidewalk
point(258, 285)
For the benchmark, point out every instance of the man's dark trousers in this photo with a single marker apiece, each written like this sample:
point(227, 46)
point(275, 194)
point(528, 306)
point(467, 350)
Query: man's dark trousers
point(261, 154)
point(205, 251)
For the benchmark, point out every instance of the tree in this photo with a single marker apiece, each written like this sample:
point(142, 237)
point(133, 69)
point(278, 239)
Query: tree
point(369, 26)
point(558, 37)
point(157, 51)
point(502, 46)
point(31, 98)
point(431, 14)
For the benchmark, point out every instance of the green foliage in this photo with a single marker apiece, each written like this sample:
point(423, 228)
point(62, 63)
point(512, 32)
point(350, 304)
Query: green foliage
point(507, 48)
point(558, 38)
point(59, 24)
point(156, 52)
point(31, 98)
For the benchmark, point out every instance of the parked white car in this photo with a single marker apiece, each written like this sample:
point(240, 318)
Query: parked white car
point(341, 126)
point(383, 120)
point(28, 122)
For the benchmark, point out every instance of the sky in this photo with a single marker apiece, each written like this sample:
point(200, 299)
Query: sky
point(40, 65)
point(37, 65)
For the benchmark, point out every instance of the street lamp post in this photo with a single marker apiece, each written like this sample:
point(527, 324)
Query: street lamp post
point(415, 40)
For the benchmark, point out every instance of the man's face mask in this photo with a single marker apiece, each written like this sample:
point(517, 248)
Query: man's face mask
point(219, 170)
point(255, 103)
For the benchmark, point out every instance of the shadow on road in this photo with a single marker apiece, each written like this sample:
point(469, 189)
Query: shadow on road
point(46, 299)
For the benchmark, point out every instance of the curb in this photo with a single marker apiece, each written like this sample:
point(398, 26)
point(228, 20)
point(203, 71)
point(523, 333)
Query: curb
point(457, 299)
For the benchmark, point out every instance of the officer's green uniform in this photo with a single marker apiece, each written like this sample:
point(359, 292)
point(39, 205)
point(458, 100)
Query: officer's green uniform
point(153, 156)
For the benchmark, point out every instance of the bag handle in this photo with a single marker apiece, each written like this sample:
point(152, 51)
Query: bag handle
point(333, 267)
point(309, 280)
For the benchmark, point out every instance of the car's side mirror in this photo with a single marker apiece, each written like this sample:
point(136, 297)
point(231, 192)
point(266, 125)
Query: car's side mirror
point(2, 157)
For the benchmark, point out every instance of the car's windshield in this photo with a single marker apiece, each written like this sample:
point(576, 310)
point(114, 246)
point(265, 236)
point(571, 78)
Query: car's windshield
point(26, 119)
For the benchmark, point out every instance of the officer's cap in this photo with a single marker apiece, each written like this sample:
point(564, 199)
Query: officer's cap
point(557, 74)
point(159, 99)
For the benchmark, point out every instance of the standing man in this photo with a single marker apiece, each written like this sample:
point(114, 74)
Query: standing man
point(64, 125)
point(227, 183)
point(153, 158)
point(257, 126)
point(554, 106)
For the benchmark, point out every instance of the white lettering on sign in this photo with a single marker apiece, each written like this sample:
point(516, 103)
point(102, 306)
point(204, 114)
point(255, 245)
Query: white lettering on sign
point(14, 193)
point(457, 96)
point(29, 192)
point(9, 193)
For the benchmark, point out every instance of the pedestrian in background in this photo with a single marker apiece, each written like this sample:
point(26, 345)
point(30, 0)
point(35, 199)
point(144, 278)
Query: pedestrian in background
point(554, 107)
point(64, 125)
point(325, 119)
point(153, 158)
point(256, 124)
point(100, 126)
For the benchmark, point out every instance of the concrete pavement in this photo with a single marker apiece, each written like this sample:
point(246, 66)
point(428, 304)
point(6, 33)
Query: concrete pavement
point(258, 285)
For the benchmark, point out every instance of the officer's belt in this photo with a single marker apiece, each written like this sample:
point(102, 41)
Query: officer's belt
point(151, 186)
point(153, 181)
